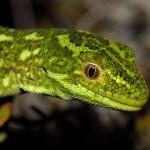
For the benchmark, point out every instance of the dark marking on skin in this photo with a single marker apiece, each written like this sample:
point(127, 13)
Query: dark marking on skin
point(113, 52)
point(103, 41)
point(122, 46)
point(102, 53)
point(92, 44)
point(128, 52)
point(106, 62)
point(76, 38)
point(89, 40)
point(120, 59)
point(44, 69)
point(68, 53)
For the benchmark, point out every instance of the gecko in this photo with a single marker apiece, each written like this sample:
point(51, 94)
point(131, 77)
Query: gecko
point(70, 64)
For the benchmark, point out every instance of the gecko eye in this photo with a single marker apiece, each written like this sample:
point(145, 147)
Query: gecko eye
point(92, 71)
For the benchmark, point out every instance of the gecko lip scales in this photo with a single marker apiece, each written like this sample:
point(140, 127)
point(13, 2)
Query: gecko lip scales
point(117, 105)
point(107, 102)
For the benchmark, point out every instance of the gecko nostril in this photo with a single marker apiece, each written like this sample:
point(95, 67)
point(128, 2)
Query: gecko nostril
point(136, 97)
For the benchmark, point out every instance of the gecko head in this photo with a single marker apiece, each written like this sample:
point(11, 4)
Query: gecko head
point(101, 72)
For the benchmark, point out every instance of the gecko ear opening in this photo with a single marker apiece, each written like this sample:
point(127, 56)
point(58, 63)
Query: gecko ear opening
point(91, 71)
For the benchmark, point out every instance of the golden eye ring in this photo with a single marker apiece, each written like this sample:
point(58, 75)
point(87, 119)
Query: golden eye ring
point(92, 71)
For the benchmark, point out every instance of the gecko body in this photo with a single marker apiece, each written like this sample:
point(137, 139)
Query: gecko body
point(70, 64)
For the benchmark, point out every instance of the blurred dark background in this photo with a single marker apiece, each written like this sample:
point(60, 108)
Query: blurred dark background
point(46, 122)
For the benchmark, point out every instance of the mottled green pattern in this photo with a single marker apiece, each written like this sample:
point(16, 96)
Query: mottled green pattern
point(52, 61)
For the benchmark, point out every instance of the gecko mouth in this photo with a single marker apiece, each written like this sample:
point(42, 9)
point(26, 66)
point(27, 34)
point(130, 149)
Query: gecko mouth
point(113, 104)
point(113, 101)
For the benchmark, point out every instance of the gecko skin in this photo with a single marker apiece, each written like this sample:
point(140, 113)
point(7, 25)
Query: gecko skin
point(70, 64)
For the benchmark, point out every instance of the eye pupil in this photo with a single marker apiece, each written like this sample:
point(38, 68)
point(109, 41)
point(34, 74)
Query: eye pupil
point(91, 71)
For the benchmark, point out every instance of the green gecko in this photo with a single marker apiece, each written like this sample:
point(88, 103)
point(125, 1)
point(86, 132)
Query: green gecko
point(70, 64)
